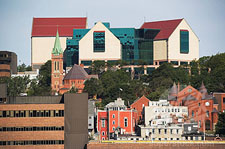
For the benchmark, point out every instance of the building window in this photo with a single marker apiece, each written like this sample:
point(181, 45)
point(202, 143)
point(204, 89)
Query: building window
point(223, 99)
point(207, 113)
point(103, 123)
point(192, 113)
point(165, 131)
point(171, 131)
point(103, 133)
point(199, 123)
point(99, 41)
point(113, 116)
point(103, 138)
point(125, 122)
point(177, 131)
point(113, 122)
point(184, 41)
point(114, 129)
point(159, 131)
point(153, 131)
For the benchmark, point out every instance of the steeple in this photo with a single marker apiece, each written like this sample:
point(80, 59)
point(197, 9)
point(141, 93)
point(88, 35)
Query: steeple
point(57, 46)
point(203, 90)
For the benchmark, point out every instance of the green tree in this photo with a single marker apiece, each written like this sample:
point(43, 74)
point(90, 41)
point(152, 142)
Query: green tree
point(93, 87)
point(42, 86)
point(98, 67)
point(23, 68)
point(220, 126)
point(15, 85)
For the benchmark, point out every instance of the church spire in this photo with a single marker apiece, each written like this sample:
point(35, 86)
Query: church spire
point(57, 46)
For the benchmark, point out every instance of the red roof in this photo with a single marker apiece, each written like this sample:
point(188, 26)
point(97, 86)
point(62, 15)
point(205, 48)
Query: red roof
point(48, 26)
point(166, 27)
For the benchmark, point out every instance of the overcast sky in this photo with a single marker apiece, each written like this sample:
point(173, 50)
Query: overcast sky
point(206, 18)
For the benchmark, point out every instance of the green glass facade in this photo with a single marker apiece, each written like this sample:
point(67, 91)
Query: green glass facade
point(99, 41)
point(136, 44)
point(184, 41)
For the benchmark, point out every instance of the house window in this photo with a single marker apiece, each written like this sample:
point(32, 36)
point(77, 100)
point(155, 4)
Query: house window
point(159, 131)
point(103, 123)
point(99, 41)
point(114, 129)
point(125, 122)
point(113, 116)
point(165, 131)
point(153, 131)
point(192, 113)
point(184, 41)
point(177, 131)
point(103, 133)
point(171, 131)
point(113, 122)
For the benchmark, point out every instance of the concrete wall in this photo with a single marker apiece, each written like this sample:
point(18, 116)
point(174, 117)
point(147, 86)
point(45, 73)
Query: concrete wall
point(174, 44)
point(112, 46)
point(41, 48)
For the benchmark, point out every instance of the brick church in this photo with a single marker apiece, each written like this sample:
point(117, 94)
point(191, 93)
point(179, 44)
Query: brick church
point(75, 78)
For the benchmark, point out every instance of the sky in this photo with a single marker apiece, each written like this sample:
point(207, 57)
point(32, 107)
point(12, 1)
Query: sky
point(206, 18)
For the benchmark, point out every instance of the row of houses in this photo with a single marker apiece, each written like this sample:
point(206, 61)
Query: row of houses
point(186, 116)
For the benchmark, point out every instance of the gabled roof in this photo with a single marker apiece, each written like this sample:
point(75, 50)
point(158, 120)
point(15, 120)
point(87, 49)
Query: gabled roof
point(76, 72)
point(142, 98)
point(47, 26)
point(166, 27)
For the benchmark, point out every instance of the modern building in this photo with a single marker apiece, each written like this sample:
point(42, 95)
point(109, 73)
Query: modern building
point(176, 42)
point(115, 120)
point(202, 107)
point(43, 36)
point(44, 122)
point(8, 63)
point(153, 44)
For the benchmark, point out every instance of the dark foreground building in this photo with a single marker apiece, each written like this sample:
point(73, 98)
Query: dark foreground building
point(40, 121)
point(8, 63)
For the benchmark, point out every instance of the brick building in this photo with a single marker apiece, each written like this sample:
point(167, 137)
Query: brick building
point(8, 63)
point(202, 107)
point(42, 121)
point(138, 105)
point(115, 120)
point(220, 98)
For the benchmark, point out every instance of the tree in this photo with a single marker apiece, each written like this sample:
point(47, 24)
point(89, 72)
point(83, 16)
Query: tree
point(15, 85)
point(93, 87)
point(23, 68)
point(220, 126)
point(73, 90)
point(42, 86)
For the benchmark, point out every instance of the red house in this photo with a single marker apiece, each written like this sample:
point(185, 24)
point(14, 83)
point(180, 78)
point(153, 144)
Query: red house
point(116, 119)
point(138, 105)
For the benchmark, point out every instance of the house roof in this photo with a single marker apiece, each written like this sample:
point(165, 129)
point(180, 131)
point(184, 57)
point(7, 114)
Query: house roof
point(47, 26)
point(76, 72)
point(166, 27)
point(138, 99)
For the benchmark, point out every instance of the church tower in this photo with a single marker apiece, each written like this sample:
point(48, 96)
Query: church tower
point(57, 65)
